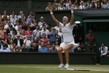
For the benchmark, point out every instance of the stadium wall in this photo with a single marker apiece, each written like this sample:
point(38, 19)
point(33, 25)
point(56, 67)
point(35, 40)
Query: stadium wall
point(45, 58)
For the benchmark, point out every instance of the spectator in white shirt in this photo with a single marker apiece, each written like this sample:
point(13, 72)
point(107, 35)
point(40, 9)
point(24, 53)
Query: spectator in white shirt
point(13, 19)
point(44, 30)
point(37, 32)
point(12, 14)
point(103, 50)
point(19, 16)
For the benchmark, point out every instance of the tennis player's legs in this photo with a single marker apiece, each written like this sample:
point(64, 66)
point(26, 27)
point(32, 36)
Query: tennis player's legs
point(66, 47)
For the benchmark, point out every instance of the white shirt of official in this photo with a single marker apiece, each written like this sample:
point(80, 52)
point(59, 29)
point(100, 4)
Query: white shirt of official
point(104, 51)
point(67, 32)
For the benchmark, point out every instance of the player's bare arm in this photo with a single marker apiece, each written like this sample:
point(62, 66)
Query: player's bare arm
point(72, 16)
point(52, 15)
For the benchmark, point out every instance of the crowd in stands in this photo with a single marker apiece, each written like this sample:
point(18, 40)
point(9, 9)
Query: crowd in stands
point(87, 4)
point(19, 33)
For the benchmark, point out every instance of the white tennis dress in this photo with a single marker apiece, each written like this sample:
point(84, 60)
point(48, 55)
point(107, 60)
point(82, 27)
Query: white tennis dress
point(67, 35)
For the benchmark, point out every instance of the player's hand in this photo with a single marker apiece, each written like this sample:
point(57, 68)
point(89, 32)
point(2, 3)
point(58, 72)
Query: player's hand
point(50, 8)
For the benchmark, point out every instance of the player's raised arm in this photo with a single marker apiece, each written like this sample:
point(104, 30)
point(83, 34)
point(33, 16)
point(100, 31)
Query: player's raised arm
point(52, 15)
point(72, 16)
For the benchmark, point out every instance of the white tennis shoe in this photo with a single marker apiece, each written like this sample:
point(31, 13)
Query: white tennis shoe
point(66, 66)
point(61, 66)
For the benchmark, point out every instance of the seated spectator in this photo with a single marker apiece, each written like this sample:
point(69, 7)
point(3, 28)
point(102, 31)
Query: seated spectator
point(75, 5)
point(44, 31)
point(2, 31)
point(5, 16)
point(37, 32)
point(57, 44)
point(80, 48)
point(34, 47)
point(98, 5)
point(61, 7)
point(13, 12)
point(103, 50)
point(88, 4)
point(42, 48)
point(20, 15)
point(69, 5)
point(11, 46)
point(52, 35)
point(48, 46)
point(53, 49)
point(24, 49)
point(10, 30)
point(82, 5)
point(31, 36)
point(29, 20)
point(18, 42)
point(93, 6)
point(44, 39)
point(5, 48)
point(27, 42)
point(55, 5)
point(48, 6)
point(13, 19)
point(105, 4)
point(32, 15)
point(42, 22)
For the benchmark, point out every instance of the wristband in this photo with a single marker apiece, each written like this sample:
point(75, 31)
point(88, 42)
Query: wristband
point(51, 12)
point(72, 11)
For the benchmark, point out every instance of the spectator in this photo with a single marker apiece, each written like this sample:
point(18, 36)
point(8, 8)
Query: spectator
point(48, 6)
point(82, 5)
point(1, 31)
point(5, 48)
point(11, 29)
point(53, 49)
point(27, 42)
point(75, 5)
point(29, 20)
point(13, 12)
point(48, 46)
point(34, 47)
point(11, 46)
point(44, 30)
point(18, 42)
point(44, 39)
point(57, 44)
point(13, 19)
point(42, 22)
point(90, 41)
point(24, 49)
point(61, 7)
point(80, 48)
point(93, 6)
point(52, 35)
point(88, 4)
point(103, 50)
point(105, 4)
point(42, 48)
point(37, 32)
point(20, 15)
point(55, 5)
point(98, 5)
point(5, 16)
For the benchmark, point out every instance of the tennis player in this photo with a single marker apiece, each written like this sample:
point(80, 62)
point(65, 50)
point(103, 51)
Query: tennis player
point(69, 42)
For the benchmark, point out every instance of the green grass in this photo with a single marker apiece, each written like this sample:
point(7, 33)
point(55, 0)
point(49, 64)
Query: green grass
point(30, 68)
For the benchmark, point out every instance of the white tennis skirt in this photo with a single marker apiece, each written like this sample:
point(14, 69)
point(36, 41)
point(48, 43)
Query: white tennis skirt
point(64, 44)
